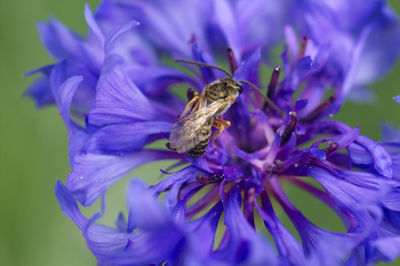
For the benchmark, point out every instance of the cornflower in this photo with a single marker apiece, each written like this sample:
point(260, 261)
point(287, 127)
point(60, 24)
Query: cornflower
point(119, 82)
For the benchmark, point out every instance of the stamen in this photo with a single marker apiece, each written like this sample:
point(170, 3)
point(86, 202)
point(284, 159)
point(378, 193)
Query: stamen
point(190, 94)
point(303, 46)
point(268, 100)
point(276, 168)
point(232, 60)
point(211, 178)
point(318, 110)
point(273, 82)
point(290, 128)
point(332, 146)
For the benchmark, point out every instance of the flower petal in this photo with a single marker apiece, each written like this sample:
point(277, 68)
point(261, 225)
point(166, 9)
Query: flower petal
point(124, 138)
point(244, 244)
point(59, 40)
point(90, 20)
point(92, 174)
point(371, 151)
point(119, 100)
point(389, 247)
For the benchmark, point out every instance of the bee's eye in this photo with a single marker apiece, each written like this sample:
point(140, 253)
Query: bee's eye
point(239, 88)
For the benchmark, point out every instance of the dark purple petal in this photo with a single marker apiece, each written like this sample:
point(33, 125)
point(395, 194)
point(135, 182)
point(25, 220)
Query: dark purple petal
point(185, 175)
point(111, 246)
point(248, 68)
point(289, 248)
point(244, 244)
point(201, 238)
point(319, 244)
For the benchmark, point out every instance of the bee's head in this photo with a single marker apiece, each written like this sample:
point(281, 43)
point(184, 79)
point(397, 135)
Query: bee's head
point(234, 87)
point(239, 88)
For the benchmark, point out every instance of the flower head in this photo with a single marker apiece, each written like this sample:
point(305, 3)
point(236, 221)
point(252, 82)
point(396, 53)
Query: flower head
point(120, 81)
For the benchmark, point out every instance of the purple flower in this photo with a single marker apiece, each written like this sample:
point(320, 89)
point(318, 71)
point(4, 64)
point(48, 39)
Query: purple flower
point(119, 82)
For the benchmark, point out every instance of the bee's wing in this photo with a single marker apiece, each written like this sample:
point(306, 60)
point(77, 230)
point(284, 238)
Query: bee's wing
point(184, 133)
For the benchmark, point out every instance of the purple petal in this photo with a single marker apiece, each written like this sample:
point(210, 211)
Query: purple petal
point(390, 133)
point(389, 247)
point(355, 61)
point(68, 205)
point(201, 238)
point(355, 190)
point(248, 68)
point(78, 137)
point(382, 159)
point(92, 174)
point(397, 98)
point(227, 22)
point(151, 245)
point(145, 211)
point(63, 96)
point(123, 138)
point(59, 40)
point(288, 247)
point(392, 200)
point(292, 43)
point(40, 89)
point(116, 33)
point(244, 244)
point(184, 175)
point(319, 244)
point(154, 80)
point(118, 100)
point(380, 50)
point(84, 94)
point(90, 20)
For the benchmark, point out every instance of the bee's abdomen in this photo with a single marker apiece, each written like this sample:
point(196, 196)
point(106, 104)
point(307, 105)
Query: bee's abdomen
point(201, 147)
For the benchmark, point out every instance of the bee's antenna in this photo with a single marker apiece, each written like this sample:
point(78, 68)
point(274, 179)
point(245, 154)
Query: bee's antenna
point(203, 64)
point(268, 100)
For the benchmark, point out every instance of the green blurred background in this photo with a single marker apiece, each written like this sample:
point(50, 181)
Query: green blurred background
point(33, 231)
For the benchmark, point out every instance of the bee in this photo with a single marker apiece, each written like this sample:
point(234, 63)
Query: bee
point(191, 134)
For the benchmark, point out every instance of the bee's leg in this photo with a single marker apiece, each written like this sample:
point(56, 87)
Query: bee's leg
point(220, 125)
point(190, 105)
